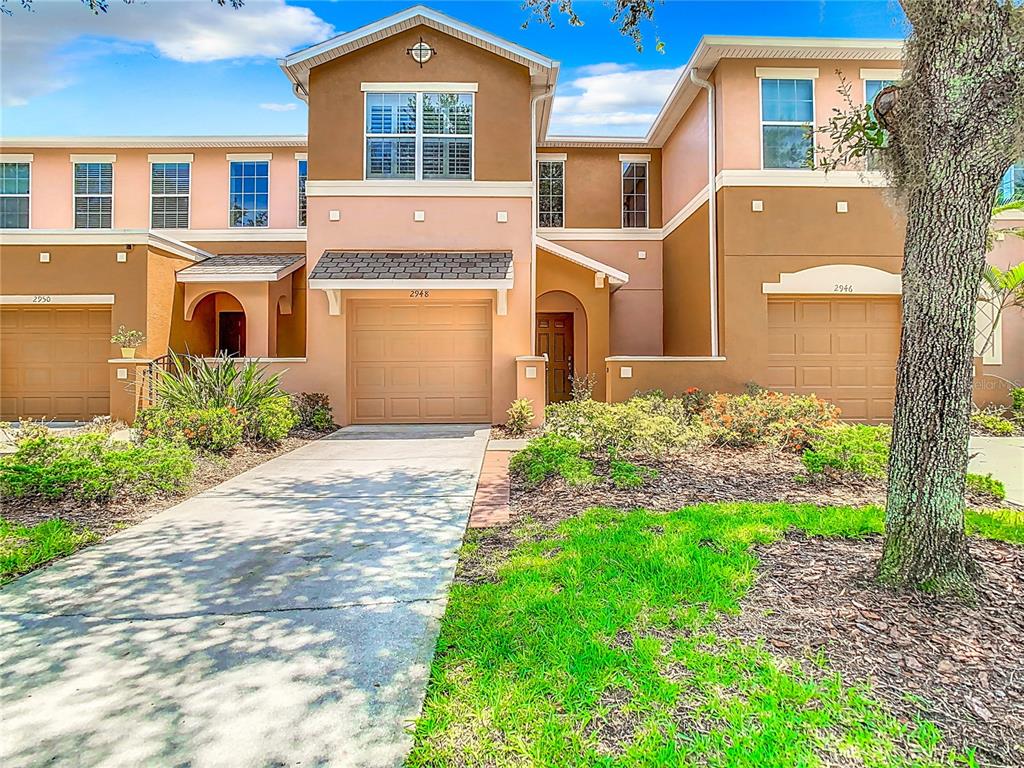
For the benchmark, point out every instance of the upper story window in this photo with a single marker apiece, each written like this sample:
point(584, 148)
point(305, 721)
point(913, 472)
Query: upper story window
point(302, 165)
point(14, 195)
point(249, 203)
point(94, 195)
point(1012, 185)
point(634, 193)
point(551, 193)
point(169, 188)
point(419, 136)
point(787, 118)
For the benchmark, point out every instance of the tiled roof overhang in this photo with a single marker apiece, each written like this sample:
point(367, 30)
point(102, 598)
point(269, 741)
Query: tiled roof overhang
point(440, 269)
point(248, 268)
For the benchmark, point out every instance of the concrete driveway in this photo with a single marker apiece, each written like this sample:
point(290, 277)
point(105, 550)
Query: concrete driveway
point(1003, 457)
point(287, 617)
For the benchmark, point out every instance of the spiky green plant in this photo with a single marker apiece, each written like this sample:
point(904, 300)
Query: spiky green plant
point(197, 382)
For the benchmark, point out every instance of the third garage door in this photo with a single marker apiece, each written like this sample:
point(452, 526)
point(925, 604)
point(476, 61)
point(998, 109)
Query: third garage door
point(843, 350)
point(419, 362)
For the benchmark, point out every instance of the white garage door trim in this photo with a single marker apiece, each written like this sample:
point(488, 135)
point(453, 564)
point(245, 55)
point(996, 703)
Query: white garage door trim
point(59, 298)
point(838, 280)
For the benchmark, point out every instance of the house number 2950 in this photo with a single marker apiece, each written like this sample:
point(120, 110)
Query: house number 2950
point(419, 294)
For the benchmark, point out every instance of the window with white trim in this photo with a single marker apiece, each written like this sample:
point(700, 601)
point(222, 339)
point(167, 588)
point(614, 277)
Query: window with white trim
point(94, 195)
point(421, 136)
point(15, 179)
point(551, 193)
point(871, 90)
point(787, 123)
point(302, 164)
point(170, 184)
point(249, 203)
point(634, 194)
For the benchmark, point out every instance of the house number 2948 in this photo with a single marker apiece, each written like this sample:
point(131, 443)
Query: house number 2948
point(419, 294)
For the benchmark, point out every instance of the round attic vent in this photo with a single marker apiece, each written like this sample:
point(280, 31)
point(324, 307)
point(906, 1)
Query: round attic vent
point(421, 52)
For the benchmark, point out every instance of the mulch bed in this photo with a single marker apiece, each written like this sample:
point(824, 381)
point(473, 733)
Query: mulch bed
point(106, 519)
point(959, 666)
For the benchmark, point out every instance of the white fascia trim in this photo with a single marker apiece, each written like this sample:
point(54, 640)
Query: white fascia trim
point(389, 188)
point(405, 87)
point(685, 212)
point(787, 73)
point(177, 247)
point(153, 142)
point(73, 236)
point(256, 359)
point(881, 74)
point(373, 30)
point(1009, 216)
point(93, 158)
point(532, 358)
point(614, 275)
point(665, 359)
point(325, 284)
point(236, 277)
point(624, 158)
point(301, 155)
point(551, 157)
point(49, 299)
point(597, 233)
point(249, 156)
point(237, 235)
point(180, 158)
point(15, 158)
point(799, 178)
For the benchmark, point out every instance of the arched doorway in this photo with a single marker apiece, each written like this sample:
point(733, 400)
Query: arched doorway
point(562, 336)
point(217, 325)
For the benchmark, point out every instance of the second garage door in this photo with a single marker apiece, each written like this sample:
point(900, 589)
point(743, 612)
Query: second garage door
point(419, 362)
point(53, 362)
point(843, 350)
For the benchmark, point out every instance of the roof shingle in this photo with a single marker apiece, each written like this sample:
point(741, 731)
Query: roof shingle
point(413, 265)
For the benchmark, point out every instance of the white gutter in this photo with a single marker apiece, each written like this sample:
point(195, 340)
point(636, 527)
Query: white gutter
point(712, 211)
point(547, 93)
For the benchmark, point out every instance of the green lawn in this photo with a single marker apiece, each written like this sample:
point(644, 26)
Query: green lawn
point(23, 548)
point(616, 607)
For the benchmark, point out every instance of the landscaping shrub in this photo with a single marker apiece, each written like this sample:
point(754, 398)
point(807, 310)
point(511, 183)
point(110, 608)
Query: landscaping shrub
point(857, 448)
point(624, 474)
point(90, 468)
point(24, 547)
point(209, 430)
point(768, 418)
point(199, 383)
point(582, 386)
point(648, 425)
point(1017, 395)
point(549, 455)
point(519, 417)
point(696, 401)
point(314, 411)
point(270, 421)
point(986, 485)
point(992, 423)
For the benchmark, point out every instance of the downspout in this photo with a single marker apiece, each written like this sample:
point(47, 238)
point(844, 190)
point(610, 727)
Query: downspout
point(712, 211)
point(534, 205)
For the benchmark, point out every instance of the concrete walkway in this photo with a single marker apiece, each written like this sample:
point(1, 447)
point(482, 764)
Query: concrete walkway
point(286, 617)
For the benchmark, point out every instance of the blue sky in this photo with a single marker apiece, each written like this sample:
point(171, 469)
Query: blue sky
point(190, 67)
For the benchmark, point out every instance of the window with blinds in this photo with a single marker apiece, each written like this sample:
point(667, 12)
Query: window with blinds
point(94, 195)
point(170, 184)
point(420, 136)
point(14, 195)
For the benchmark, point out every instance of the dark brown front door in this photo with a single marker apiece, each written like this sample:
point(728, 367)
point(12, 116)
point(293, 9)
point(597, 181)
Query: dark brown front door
point(232, 334)
point(554, 339)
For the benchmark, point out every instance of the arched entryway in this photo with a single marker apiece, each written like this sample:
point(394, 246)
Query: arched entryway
point(562, 336)
point(217, 325)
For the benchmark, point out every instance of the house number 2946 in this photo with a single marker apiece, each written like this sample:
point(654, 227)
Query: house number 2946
point(843, 288)
point(419, 294)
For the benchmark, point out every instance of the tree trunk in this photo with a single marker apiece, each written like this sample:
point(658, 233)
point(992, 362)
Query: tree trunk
point(926, 546)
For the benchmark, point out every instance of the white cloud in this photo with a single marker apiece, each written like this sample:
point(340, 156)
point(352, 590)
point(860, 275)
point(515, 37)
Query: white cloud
point(611, 99)
point(273, 106)
point(53, 46)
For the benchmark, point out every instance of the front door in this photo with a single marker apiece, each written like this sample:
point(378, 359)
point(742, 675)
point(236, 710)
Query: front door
point(232, 334)
point(554, 339)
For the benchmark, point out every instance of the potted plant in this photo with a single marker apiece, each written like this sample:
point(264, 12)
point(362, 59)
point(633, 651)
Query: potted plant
point(128, 340)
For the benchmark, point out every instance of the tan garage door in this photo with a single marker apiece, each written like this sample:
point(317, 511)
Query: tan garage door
point(841, 349)
point(425, 362)
point(53, 362)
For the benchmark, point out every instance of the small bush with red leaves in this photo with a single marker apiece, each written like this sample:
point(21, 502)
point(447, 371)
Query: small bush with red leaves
point(209, 430)
point(767, 418)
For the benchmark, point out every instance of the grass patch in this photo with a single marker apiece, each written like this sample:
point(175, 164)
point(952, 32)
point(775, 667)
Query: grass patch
point(23, 548)
point(595, 646)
